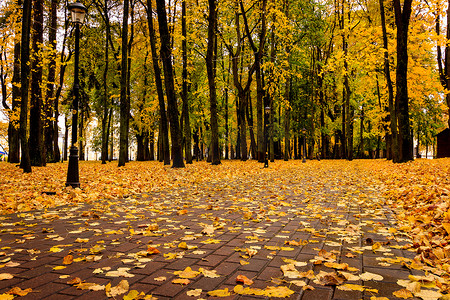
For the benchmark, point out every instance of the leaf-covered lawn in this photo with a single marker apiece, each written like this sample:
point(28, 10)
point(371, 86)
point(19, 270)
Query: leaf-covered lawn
point(311, 223)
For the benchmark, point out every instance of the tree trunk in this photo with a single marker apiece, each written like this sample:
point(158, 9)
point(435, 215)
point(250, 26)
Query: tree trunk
point(249, 113)
point(187, 124)
point(124, 105)
point(50, 93)
point(164, 131)
point(444, 71)
point(391, 119)
point(152, 146)
point(13, 130)
point(404, 138)
point(25, 163)
point(166, 57)
point(211, 71)
point(105, 89)
point(36, 142)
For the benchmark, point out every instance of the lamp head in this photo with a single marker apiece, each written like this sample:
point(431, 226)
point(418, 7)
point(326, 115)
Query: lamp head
point(78, 12)
point(267, 109)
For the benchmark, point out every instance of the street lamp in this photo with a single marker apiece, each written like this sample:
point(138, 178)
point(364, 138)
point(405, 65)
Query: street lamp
point(304, 144)
point(77, 11)
point(266, 144)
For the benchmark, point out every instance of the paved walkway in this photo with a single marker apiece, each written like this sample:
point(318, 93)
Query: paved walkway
point(240, 226)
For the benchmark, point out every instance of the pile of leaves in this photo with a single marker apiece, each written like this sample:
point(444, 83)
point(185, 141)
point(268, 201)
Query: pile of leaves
point(45, 186)
point(419, 193)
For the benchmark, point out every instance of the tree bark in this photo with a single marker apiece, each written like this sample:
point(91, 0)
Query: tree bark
point(164, 133)
point(187, 124)
point(211, 71)
point(105, 135)
point(124, 105)
point(444, 71)
point(50, 92)
point(166, 57)
point(36, 142)
point(13, 128)
point(25, 163)
point(391, 119)
point(404, 138)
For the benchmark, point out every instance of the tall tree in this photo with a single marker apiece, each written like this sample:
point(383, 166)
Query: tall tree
point(13, 129)
point(184, 93)
point(36, 127)
point(404, 138)
point(391, 135)
point(124, 103)
point(52, 150)
point(166, 57)
point(444, 71)
point(211, 71)
point(25, 162)
point(164, 132)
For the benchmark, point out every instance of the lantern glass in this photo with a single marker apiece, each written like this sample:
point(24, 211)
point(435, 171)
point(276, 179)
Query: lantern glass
point(267, 109)
point(78, 12)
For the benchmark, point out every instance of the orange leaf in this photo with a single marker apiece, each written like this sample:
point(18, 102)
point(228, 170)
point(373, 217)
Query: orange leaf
point(244, 280)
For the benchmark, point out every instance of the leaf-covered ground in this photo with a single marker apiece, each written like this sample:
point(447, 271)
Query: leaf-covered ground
point(348, 230)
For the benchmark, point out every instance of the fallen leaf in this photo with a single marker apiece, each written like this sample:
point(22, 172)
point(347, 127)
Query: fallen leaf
point(181, 281)
point(209, 273)
point(19, 292)
point(194, 293)
point(428, 295)
point(4, 276)
point(403, 293)
point(120, 289)
point(350, 287)
point(370, 276)
point(121, 272)
point(68, 259)
point(134, 295)
point(187, 273)
point(219, 293)
point(329, 278)
point(162, 278)
point(244, 280)
point(75, 280)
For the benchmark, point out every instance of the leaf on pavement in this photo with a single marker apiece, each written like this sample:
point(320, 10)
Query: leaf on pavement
point(244, 280)
point(187, 273)
point(220, 293)
point(120, 289)
point(4, 276)
point(19, 292)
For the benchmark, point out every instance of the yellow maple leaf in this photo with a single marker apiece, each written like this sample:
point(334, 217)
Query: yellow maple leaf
point(351, 287)
point(403, 293)
point(194, 293)
point(181, 281)
point(209, 273)
point(279, 291)
point(187, 273)
point(220, 293)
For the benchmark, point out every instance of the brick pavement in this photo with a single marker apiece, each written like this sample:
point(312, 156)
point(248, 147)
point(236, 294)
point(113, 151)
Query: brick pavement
point(340, 215)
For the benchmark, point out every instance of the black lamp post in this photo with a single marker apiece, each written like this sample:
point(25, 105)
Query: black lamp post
point(77, 11)
point(304, 144)
point(266, 136)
